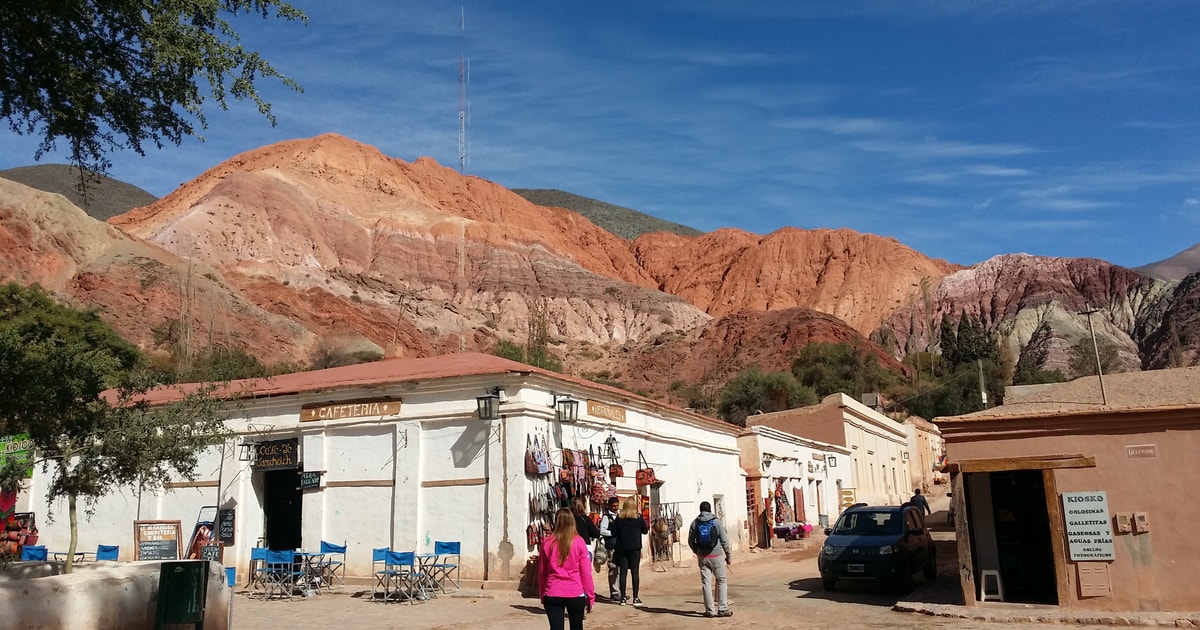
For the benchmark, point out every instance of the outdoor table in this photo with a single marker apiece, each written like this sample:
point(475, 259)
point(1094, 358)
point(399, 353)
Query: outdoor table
point(425, 565)
point(314, 571)
point(60, 556)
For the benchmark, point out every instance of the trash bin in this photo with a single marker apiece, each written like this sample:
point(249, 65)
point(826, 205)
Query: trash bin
point(231, 576)
point(182, 590)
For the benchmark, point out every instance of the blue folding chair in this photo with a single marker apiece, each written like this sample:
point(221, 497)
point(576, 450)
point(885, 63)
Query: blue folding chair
point(333, 567)
point(405, 577)
point(445, 567)
point(258, 569)
point(382, 573)
point(34, 553)
point(108, 552)
point(282, 574)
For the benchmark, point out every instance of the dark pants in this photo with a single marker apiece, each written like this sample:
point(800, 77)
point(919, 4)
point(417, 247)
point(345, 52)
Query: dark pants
point(573, 607)
point(628, 561)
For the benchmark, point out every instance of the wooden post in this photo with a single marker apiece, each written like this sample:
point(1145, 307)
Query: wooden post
point(962, 535)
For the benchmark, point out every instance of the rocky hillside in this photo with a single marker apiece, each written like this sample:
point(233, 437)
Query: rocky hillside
point(1176, 267)
point(623, 222)
point(105, 197)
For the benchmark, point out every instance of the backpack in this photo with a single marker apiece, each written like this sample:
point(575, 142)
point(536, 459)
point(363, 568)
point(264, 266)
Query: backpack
point(704, 533)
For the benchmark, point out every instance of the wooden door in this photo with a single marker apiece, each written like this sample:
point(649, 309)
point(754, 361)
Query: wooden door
point(798, 498)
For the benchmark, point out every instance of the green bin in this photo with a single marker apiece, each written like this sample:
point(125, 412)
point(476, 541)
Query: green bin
point(182, 590)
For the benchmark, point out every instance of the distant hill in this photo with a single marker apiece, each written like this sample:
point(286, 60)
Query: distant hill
point(108, 197)
point(1176, 267)
point(626, 223)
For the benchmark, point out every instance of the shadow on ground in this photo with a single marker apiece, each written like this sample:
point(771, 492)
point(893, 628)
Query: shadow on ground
point(944, 589)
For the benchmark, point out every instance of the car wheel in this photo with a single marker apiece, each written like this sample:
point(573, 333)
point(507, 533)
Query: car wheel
point(828, 582)
point(931, 566)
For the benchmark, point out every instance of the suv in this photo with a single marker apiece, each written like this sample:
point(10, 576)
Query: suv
point(884, 543)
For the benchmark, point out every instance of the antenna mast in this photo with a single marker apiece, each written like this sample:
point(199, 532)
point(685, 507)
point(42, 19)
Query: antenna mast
point(463, 75)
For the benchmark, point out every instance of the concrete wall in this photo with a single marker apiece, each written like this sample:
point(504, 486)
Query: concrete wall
point(1154, 570)
point(97, 596)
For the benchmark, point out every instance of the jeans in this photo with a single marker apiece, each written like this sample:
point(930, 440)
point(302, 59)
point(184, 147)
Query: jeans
point(708, 568)
point(628, 561)
point(572, 607)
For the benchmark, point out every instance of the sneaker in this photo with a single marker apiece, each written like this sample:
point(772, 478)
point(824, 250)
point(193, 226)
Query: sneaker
point(709, 614)
point(637, 601)
point(624, 600)
point(725, 613)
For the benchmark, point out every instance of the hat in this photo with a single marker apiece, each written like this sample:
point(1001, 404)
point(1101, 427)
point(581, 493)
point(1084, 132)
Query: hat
point(705, 506)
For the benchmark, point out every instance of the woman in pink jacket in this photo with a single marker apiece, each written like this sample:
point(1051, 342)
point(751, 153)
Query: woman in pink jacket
point(565, 574)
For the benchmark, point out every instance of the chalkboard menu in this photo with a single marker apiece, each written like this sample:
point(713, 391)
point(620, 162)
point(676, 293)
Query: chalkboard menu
point(277, 454)
point(310, 479)
point(225, 526)
point(156, 540)
point(211, 552)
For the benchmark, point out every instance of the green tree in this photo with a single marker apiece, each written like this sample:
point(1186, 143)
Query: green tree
point(58, 368)
point(948, 343)
point(105, 75)
point(753, 390)
point(1082, 361)
point(1028, 370)
point(826, 368)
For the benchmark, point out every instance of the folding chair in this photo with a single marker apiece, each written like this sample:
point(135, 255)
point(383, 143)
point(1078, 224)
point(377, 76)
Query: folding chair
point(381, 571)
point(34, 553)
point(406, 578)
point(334, 565)
point(282, 574)
point(446, 567)
point(108, 552)
point(258, 569)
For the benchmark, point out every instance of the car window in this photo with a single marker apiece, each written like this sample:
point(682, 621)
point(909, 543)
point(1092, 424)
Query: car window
point(869, 523)
point(913, 521)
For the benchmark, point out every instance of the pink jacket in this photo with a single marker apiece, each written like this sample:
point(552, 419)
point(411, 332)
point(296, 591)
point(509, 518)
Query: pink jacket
point(569, 579)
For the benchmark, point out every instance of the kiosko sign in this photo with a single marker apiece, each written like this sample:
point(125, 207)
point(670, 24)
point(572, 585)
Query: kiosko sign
point(1089, 530)
point(359, 409)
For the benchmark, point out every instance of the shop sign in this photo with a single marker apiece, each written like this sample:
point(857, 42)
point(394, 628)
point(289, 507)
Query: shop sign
point(18, 448)
point(156, 540)
point(310, 479)
point(1088, 526)
point(354, 409)
point(598, 409)
point(1141, 451)
point(277, 454)
point(226, 526)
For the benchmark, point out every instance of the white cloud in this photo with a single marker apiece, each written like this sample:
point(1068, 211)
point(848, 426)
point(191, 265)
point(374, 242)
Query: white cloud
point(1192, 201)
point(997, 171)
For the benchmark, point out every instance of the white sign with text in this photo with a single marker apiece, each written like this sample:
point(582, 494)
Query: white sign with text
point(1089, 529)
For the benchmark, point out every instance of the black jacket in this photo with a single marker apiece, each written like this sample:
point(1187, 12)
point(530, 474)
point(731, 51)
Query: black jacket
point(628, 533)
point(586, 528)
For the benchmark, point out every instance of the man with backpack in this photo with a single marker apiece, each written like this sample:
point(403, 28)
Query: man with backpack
point(709, 542)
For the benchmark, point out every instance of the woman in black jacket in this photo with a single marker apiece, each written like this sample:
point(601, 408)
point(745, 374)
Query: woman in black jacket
point(583, 523)
point(628, 530)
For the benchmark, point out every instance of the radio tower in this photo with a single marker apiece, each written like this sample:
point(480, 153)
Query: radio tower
point(463, 75)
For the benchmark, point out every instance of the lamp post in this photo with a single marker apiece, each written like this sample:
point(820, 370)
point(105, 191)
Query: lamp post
point(1088, 310)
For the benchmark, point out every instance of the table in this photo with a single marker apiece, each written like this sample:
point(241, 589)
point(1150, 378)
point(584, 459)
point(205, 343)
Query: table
point(61, 556)
point(427, 566)
point(314, 571)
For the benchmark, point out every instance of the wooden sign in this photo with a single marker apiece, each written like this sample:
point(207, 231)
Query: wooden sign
point(310, 479)
point(598, 409)
point(277, 454)
point(352, 409)
point(156, 540)
point(226, 526)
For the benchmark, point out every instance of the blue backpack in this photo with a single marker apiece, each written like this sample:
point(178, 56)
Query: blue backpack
point(704, 533)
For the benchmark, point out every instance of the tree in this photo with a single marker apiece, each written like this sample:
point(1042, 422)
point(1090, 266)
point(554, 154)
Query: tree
point(1028, 370)
point(1082, 361)
point(840, 367)
point(104, 75)
point(948, 343)
point(58, 370)
point(753, 390)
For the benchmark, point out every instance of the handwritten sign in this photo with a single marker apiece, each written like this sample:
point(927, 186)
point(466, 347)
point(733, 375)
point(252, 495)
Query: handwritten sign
point(277, 454)
point(156, 540)
point(226, 526)
point(1088, 528)
point(354, 409)
point(310, 479)
point(212, 552)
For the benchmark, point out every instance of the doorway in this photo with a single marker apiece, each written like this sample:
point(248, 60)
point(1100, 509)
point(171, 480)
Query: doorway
point(1011, 533)
point(282, 508)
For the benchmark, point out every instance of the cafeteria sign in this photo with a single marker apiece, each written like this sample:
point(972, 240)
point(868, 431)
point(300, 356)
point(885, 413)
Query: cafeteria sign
point(17, 448)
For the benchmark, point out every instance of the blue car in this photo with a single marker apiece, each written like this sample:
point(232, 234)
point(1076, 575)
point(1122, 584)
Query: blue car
point(884, 544)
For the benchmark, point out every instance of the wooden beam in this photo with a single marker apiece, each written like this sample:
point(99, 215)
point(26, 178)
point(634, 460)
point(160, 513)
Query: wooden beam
point(962, 536)
point(446, 483)
point(361, 483)
point(1037, 462)
point(1057, 536)
point(172, 485)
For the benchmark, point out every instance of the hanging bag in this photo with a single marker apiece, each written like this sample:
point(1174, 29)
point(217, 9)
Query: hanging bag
point(531, 467)
point(645, 474)
point(540, 458)
point(616, 470)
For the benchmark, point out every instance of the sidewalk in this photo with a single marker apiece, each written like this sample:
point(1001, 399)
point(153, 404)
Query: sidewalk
point(1000, 612)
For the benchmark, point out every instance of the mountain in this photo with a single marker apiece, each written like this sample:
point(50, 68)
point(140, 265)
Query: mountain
point(327, 243)
point(626, 223)
point(1176, 267)
point(106, 197)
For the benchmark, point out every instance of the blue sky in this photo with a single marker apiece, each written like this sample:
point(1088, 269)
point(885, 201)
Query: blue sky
point(962, 129)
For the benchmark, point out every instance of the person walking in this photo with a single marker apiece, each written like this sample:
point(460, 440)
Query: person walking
point(628, 529)
point(920, 502)
point(710, 543)
point(583, 523)
point(565, 574)
point(606, 524)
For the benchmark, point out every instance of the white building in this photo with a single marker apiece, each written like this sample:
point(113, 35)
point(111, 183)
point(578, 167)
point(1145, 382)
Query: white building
point(791, 479)
point(879, 457)
point(397, 456)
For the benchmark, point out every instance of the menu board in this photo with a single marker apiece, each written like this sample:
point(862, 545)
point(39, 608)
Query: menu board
point(310, 480)
point(277, 454)
point(156, 540)
point(212, 552)
point(226, 526)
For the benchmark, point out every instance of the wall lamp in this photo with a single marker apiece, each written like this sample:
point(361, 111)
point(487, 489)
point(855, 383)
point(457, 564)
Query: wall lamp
point(831, 461)
point(766, 461)
point(612, 450)
point(566, 409)
point(246, 451)
point(904, 455)
point(487, 406)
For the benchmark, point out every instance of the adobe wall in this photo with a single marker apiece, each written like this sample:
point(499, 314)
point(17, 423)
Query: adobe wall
point(100, 596)
point(1154, 570)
